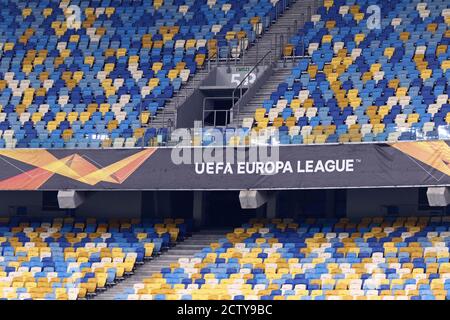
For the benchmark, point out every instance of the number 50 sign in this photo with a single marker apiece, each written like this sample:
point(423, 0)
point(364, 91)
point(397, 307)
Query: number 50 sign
point(236, 78)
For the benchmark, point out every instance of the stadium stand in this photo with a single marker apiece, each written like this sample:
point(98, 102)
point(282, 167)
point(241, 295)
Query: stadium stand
point(73, 258)
point(379, 258)
point(356, 83)
point(94, 74)
point(98, 81)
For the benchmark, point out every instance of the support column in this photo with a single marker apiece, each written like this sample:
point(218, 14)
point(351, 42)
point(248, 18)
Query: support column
point(162, 204)
point(271, 211)
point(165, 204)
point(329, 203)
point(260, 212)
point(197, 213)
point(156, 212)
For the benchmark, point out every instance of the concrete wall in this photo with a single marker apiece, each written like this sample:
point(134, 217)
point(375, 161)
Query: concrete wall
point(11, 200)
point(115, 204)
point(111, 204)
point(374, 202)
point(190, 110)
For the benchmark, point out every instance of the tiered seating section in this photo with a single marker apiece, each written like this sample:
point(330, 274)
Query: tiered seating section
point(358, 84)
point(94, 82)
point(66, 258)
point(314, 259)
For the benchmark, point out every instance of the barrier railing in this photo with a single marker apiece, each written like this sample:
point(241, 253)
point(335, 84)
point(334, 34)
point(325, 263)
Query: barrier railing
point(206, 112)
point(239, 87)
point(271, 136)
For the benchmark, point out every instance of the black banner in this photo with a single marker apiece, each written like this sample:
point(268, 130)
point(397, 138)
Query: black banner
point(424, 163)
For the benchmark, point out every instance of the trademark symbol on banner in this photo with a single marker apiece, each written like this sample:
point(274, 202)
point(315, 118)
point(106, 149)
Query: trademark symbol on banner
point(358, 160)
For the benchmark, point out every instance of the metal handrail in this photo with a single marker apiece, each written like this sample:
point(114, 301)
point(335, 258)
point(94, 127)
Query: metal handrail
point(239, 86)
point(228, 115)
point(227, 111)
point(215, 55)
point(248, 74)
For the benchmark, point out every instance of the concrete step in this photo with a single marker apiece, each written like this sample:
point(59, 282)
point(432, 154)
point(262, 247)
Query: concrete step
point(278, 76)
point(186, 249)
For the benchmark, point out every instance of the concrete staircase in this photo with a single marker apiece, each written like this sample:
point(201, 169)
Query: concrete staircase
point(186, 249)
point(278, 76)
point(296, 15)
point(280, 31)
